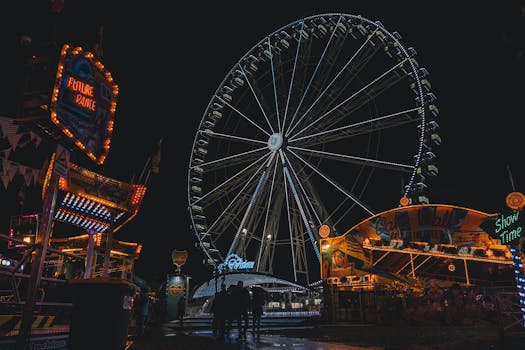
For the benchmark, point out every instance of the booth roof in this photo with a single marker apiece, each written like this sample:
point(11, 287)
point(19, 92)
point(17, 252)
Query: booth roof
point(207, 289)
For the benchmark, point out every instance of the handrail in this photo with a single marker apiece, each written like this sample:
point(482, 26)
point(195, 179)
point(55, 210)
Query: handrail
point(7, 271)
point(6, 237)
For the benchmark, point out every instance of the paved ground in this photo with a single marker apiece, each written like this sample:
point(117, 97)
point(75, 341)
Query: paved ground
point(339, 336)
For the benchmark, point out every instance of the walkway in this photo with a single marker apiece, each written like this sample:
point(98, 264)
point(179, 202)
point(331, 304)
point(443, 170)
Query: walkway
point(339, 336)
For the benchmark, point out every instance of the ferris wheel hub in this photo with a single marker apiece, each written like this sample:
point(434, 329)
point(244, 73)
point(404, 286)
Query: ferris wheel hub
point(275, 142)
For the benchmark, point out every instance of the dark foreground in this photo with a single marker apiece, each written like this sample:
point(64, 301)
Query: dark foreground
point(337, 337)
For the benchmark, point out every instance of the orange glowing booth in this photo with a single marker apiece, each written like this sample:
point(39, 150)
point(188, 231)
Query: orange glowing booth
point(122, 255)
point(428, 240)
point(94, 202)
point(101, 206)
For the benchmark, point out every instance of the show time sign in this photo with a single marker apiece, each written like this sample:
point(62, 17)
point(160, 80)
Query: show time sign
point(234, 262)
point(508, 227)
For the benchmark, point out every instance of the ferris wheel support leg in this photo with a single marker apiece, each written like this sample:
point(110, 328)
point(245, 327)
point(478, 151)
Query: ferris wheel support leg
point(303, 216)
point(248, 210)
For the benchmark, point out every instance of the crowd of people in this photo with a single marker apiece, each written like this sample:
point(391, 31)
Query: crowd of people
point(234, 304)
point(454, 305)
point(146, 311)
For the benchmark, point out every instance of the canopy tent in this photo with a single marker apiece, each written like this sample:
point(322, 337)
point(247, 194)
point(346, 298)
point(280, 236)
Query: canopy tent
point(409, 241)
point(207, 289)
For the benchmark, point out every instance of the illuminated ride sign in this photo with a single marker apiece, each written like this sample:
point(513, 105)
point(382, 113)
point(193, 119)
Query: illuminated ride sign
point(83, 102)
point(508, 227)
point(94, 202)
point(233, 262)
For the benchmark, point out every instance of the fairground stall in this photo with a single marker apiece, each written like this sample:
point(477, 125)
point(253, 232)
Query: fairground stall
point(420, 253)
point(77, 117)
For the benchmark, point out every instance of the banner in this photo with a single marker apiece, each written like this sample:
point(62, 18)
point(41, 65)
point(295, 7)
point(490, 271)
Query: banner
point(176, 289)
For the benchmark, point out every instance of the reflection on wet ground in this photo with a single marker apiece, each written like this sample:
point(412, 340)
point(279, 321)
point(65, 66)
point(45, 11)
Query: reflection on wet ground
point(275, 341)
point(336, 336)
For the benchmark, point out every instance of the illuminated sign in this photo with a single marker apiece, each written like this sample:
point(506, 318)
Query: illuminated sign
point(82, 94)
point(179, 257)
point(515, 200)
point(324, 231)
point(234, 262)
point(508, 227)
point(83, 102)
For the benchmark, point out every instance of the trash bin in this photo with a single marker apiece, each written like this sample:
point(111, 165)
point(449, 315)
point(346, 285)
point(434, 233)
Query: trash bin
point(101, 313)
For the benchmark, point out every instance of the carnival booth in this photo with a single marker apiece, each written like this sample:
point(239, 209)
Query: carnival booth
point(405, 247)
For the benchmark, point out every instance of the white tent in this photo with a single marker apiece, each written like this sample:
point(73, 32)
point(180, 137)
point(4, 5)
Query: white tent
point(208, 288)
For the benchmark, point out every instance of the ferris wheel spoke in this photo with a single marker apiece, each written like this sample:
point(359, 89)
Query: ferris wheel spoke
point(229, 179)
point(254, 197)
point(366, 126)
point(293, 75)
point(219, 135)
point(360, 91)
point(257, 99)
point(274, 86)
point(332, 82)
point(299, 204)
point(315, 71)
point(306, 197)
point(234, 200)
point(240, 158)
point(357, 160)
point(268, 206)
point(244, 116)
point(349, 195)
point(288, 212)
point(346, 111)
point(333, 95)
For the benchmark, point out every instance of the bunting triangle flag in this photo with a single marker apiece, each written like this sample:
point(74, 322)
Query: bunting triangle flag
point(14, 139)
point(35, 138)
point(5, 180)
point(5, 166)
point(12, 169)
point(35, 175)
point(28, 176)
point(6, 152)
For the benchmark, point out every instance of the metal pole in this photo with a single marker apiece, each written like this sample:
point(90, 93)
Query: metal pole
point(90, 253)
point(37, 265)
point(107, 253)
point(412, 265)
point(187, 292)
point(466, 272)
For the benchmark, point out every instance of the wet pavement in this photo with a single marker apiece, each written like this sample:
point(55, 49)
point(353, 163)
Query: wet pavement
point(200, 339)
point(336, 336)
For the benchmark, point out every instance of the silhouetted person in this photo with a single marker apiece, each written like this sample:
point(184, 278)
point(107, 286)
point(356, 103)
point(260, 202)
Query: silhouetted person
point(231, 308)
point(141, 305)
point(181, 310)
point(219, 309)
point(240, 305)
point(257, 308)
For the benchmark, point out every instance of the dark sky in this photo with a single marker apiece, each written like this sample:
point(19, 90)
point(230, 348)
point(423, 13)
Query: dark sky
point(168, 59)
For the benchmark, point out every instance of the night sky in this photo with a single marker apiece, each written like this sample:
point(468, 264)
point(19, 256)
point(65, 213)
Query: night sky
point(168, 59)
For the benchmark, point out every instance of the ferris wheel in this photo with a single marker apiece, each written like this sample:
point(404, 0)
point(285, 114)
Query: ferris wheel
point(322, 123)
